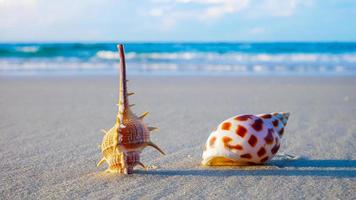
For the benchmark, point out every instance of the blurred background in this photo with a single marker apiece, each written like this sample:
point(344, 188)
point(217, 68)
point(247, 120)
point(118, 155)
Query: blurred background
point(179, 37)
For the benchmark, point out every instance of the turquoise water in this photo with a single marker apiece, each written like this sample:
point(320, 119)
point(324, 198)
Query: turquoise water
point(225, 59)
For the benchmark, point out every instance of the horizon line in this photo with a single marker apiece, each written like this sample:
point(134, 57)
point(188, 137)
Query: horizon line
point(173, 41)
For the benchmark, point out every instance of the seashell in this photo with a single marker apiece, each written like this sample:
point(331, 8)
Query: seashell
point(123, 143)
point(245, 139)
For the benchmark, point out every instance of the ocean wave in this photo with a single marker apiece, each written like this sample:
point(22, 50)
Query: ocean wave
point(109, 55)
point(28, 49)
point(229, 57)
point(75, 66)
point(113, 55)
point(182, 58)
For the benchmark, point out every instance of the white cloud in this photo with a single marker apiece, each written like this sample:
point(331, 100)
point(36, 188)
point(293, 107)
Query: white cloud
point(175, 11)
point(257, 30)
point(223, 7)
point(276, 8)
point(8, 3)
point(11, 12)
point(170, 12)
point(282, 8)
point(156, 12)
point(203, 9)
point(41, 19)
point(66, 18)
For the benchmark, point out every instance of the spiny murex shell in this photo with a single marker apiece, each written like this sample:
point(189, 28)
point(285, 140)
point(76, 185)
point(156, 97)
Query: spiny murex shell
point(123, 143)
point(245, 139)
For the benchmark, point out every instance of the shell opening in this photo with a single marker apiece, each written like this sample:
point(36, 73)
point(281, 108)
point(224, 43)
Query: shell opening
point(222, 161)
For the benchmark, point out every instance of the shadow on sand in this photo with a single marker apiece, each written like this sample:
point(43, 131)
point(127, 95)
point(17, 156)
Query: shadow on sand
point(341, 169)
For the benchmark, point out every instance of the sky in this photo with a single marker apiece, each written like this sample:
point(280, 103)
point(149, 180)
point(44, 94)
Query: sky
point(177, 20)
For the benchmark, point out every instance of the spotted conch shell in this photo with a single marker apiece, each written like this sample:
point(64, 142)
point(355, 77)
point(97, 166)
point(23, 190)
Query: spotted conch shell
point(123, 143)
point(245, 139)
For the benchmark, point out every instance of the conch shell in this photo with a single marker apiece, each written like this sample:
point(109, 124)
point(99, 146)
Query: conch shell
point(123, 143)
point(245, 139)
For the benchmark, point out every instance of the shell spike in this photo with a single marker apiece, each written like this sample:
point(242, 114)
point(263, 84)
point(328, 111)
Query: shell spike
point(130, 93)
point(132, 105)
point(286, 115)
point(123, 100)
point(283, 116)
point(100, 162)
point(156, 147)
point(143, 115)
point(142, 165)
point(151, 128)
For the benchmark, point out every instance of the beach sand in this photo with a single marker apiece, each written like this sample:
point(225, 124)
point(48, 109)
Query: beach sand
point(50, 130)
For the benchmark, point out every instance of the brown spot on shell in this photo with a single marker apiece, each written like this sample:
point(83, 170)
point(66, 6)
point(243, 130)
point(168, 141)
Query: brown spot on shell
point(266, 116)
point(258, 124)
point(243, 117)
point(269, 136)
point(226, 126)
point(264, 159)
point(261, 152)
point(237, 147)
point(246, 155)
point(281, 132)
point(252, 141)
point(275, 122)
point(275, 149)
point(226, 141)
point(212, 141)
point(241, 131)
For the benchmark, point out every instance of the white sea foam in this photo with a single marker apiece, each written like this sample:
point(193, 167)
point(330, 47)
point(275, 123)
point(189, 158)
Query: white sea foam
point(173, 68)
point(168, 56)
point(230, 58)
point(154, 56)
point(160, 67)
point(28, 49)
point(349, 57)
point(107, 55)
point(49, 66)
point(259, 68)
point(194, 63)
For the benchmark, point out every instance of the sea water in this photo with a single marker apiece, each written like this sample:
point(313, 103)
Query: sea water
point(211, 59)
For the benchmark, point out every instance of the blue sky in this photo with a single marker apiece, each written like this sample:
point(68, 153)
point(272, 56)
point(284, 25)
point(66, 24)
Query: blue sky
point(177, 20)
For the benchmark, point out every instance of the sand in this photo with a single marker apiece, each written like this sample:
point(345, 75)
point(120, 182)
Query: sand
point(50, 129)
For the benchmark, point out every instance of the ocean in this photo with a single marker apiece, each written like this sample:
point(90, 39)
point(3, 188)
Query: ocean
point(181, 59)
